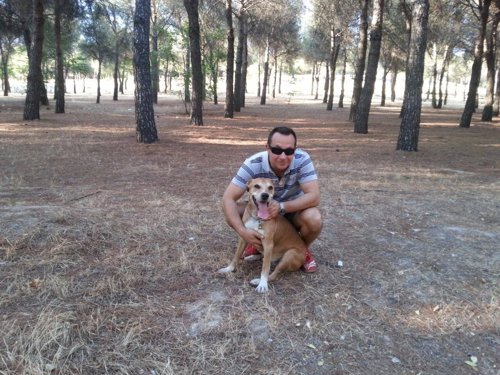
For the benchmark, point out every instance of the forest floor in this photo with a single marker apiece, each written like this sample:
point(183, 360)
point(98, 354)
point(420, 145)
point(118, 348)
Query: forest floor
point(109, 248)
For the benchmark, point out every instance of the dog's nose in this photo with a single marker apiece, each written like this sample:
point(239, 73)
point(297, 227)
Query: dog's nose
point(264, 196)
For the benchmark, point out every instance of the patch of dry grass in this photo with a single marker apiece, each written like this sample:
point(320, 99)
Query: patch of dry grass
point(108, 249)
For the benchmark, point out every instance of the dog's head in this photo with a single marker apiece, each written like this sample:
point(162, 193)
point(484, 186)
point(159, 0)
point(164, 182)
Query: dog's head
point(261, 192)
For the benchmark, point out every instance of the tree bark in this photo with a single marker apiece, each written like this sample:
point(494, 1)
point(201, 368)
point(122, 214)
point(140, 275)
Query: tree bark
point(363, 110)
point(229, 106)
point(244, 69)
point(334, 53)
point(359, 70)
point(490, 65)
point(33, 91)
point(144, 113)
point(410, 122)
point(266, 76)
point(4, 53)
point(239, 63)
point(194, 44)
point(342, 82)
point(470, 104)
point(59, 89)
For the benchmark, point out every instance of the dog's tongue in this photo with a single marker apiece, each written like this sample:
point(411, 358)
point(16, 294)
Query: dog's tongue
point(262, 211)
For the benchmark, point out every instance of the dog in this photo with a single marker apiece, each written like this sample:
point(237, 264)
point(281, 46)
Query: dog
point(281, 242)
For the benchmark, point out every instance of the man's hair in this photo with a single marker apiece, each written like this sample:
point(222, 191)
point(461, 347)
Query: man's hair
point(284, 130)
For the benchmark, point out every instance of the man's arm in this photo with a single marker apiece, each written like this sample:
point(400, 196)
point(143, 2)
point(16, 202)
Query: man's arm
point(310, 198)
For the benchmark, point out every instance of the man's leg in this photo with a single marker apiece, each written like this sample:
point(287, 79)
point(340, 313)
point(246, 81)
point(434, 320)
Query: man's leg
point(309, 224)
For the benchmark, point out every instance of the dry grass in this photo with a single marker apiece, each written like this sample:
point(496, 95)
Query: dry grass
point(108, 249)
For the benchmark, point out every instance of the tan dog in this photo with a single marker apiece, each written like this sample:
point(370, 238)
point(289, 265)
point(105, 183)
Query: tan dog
point(281, 241)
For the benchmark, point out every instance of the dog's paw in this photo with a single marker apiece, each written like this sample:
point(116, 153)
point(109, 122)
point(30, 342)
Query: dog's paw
point(227, 269)
point(261, 285)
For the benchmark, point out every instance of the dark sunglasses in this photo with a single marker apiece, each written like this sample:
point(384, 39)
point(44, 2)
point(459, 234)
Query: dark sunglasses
point(279, 151)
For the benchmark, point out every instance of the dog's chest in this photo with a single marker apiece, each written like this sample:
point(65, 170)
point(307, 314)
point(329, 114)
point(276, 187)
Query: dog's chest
point(255, 224)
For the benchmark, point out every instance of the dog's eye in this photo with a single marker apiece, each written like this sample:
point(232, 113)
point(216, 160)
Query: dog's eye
point(270, 188)
point(257, 186)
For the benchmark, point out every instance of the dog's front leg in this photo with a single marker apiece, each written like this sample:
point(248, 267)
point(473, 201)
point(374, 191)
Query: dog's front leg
point(262, 283)
point(237, 255)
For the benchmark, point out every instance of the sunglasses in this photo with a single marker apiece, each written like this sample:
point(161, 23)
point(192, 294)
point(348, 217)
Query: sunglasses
point(279, 151)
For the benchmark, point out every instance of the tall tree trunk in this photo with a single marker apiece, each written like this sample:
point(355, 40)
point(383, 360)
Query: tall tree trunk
point(384, 83)
point(496, 108)
point(32, 103)
point(5, 71)
point(434, 75)
point(275, 75)
point(334, 53)
point(313, 73)
point(359, 69)
point(318, 72)
point(394, 77)
point(4, 54)
point(59, 89)
point(229, 107)
point(194, 43)
point(363, 110)
point(444, 67)
point(244, 68)
point(470, 104)
point(326, 86)
point(155, 66)
point(239, 63)
point(490, 65)
point(259, 76)
point(408, 15)
point(187, 76)
point(99, 68)
point(144, 113)
point(116, 72)
point(266, 75)
point(342, 81)
point(410, 122)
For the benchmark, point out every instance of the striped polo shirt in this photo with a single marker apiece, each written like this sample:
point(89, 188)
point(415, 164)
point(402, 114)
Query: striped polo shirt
point(300, 171)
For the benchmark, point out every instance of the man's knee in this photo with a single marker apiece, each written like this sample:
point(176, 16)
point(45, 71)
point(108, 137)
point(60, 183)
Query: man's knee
point(310, 220)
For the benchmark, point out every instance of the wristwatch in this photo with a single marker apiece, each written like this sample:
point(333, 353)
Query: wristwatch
point(282, 209)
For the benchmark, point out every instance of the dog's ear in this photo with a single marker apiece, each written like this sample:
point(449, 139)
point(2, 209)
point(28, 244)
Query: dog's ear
point(248, 185)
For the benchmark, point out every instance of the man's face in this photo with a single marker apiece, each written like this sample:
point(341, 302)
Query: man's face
point(284, 143)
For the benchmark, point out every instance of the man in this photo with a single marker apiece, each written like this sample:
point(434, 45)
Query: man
point(296, 192)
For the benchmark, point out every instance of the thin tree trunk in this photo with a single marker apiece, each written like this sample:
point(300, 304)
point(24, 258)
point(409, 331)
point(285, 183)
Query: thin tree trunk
point(239, 64)
point(229, 107)
point(342, 82)
point(326, 86)
point(496, 109)
point(359, 69)
point(194, 39)
point(434, 75)
point(116, 72)
point(59, 89)
point(470, 104)
point(32, 103)
point(99, 67)
point(144, 113)
point(266, 75)
point(410, 122)
point(490, 65)
point(333, 63)
point(363, 110)
point(244, 68)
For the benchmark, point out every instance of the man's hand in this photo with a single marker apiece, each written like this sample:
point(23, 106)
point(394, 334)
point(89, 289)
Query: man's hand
point(252, 237)
point(274, 209)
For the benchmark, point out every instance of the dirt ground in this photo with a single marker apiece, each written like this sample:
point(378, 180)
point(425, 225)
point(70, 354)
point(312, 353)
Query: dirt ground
point(109, 248)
